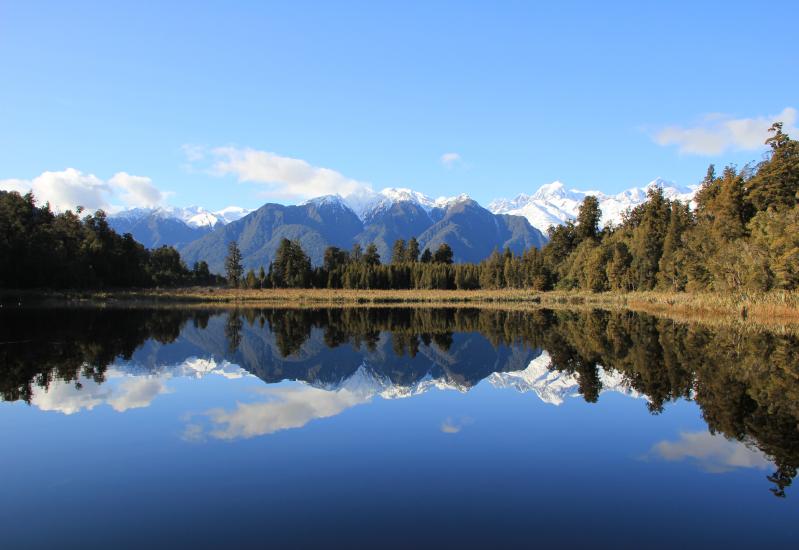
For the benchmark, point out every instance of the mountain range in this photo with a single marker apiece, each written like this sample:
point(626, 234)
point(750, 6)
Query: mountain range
point(554, 204)
point(154, 227)
point(471, 230)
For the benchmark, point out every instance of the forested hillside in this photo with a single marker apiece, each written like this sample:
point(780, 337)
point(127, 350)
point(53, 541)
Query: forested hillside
point(742, 234)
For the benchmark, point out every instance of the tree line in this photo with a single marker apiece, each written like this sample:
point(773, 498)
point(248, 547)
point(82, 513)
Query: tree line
point(40, 248)
point(741, 233)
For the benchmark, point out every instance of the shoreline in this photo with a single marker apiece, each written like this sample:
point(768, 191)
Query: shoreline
point(767, 308)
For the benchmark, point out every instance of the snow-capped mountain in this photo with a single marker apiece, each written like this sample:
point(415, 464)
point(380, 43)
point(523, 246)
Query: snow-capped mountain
point(471, 231)
point(554, 204)
point(172, 226)
point(366, 203)
point(552, 387)
point(193, 216)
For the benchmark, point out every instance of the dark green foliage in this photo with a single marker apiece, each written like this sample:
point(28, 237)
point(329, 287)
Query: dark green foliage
point(777, 180)
point(166, 268)
point(588, 219)
point(412, 253)
point(443, 254)
point(41, 249)
point(292, 266)
point(399, 254)
point(371, 257)
point(233, 267)
point(743, 234)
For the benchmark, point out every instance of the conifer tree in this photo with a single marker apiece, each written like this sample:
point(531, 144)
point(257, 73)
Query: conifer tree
point(776, 182)
point(371, 256)
point(588, 219)
point(443, 254)
point(399, 252)
point(233, 267)
point(412, 253)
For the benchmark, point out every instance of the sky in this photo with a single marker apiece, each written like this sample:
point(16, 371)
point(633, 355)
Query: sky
point(120, 104)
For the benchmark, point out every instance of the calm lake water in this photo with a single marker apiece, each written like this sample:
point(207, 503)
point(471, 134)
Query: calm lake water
point(393, 428)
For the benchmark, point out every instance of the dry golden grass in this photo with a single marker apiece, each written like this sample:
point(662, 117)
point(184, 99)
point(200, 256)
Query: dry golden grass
point(766, 308)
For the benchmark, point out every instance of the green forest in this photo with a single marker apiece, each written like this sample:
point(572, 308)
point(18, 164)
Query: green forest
point(42, 249)
point(742, 234)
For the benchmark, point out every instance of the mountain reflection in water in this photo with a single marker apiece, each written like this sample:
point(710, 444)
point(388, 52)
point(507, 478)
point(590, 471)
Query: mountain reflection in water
point(745, 382)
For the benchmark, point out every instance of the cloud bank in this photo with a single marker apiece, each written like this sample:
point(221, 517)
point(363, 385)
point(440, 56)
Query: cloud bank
point(718, 133)
point(70, 188)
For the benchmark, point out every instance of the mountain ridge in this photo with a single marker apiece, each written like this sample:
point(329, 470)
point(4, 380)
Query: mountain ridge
point(378, 217)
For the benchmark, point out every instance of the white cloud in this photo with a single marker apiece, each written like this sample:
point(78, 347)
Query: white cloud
point(287, 408)
point(70, 188)
point(285, 177)
point(453, 426)
point(718, 133)
point(120, 391)
point(137, 190)
point(136, 393)
point(450, 159)
point(64, 190)
point(713, 453)
point(67, 398)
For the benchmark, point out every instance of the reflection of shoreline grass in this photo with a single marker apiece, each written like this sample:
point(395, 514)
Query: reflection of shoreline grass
point(767, 308)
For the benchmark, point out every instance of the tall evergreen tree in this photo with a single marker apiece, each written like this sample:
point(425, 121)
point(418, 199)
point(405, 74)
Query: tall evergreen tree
point(776, 182)
point(412, 254)
point(399, 253)
point(233, 267)
point(443, 254)
point(588, 218)
point(371, 256)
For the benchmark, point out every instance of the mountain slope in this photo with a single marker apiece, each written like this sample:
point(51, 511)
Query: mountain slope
point(316, 224)
point(154, 227)
point(472, 231)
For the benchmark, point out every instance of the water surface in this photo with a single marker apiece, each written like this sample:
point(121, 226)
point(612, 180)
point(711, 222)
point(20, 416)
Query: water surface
point(393, 427)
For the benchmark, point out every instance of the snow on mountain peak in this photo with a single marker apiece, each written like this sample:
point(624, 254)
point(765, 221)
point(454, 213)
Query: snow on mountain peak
point(193, 216)
point(328, 200)
point(365, 203)
point(554, 190)
point(552, 204)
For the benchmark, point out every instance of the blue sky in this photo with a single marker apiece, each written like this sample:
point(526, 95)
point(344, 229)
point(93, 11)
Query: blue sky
point(208, 103)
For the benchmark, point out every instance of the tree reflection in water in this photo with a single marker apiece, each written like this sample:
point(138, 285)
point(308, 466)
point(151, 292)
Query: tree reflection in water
point(746, 382)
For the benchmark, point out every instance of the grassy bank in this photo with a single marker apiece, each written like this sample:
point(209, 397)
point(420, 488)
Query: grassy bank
point(772, 307)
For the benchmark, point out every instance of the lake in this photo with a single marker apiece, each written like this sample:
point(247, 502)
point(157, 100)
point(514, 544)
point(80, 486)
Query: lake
point(394, 427)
